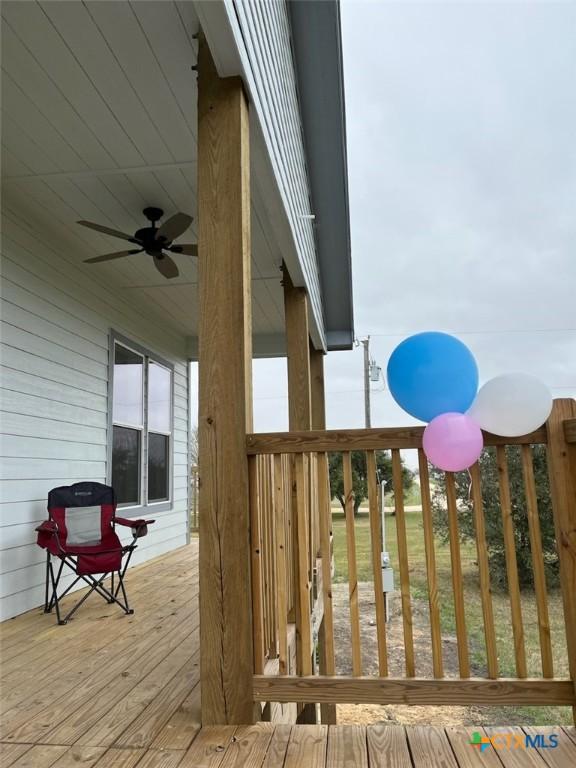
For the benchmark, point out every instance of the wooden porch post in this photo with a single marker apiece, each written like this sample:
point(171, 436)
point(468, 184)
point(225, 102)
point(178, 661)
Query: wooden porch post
point(325, 649)
point(562, 470)
point(318, 417)
point(300, 418)
point(298, 353)
point(225, 396)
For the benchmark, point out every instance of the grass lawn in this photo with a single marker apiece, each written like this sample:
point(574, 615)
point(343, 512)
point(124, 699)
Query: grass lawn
point(501, 604)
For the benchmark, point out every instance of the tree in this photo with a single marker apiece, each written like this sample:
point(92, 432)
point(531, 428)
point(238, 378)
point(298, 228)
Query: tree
point(493, 514)
point(360, 477)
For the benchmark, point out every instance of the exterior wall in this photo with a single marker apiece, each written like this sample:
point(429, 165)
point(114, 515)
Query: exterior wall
point(265, 29)
point(55, 332)
point(253, 40)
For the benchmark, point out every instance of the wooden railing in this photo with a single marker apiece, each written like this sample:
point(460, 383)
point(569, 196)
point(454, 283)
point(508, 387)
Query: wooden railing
point(292, 567)
point(193, 499)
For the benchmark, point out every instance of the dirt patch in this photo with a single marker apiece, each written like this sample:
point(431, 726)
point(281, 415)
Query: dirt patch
point(406, 715)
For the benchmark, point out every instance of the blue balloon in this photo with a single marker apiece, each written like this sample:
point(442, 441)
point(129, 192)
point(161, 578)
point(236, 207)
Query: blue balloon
point(432, 373)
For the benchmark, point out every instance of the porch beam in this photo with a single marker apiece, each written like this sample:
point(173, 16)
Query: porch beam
point(225, 396)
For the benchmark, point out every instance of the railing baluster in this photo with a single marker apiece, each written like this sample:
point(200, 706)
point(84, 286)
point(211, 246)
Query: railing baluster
point(376, 542)
point(280, 548)
point(325, 511)
point(256, 548)
point(484, 573)
point(287, 465)
point(313, 507)
point(511, 563)
point(537, 562)
point(302, 591)
point(265, 522)
point(352, 570)
point(272, 549)
point(263, 548)
point(435, 626)
point(326, 636)
point(456, 570)
point(403, 562)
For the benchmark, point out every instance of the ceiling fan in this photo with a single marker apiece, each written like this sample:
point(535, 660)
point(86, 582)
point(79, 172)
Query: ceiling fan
point(155, 241)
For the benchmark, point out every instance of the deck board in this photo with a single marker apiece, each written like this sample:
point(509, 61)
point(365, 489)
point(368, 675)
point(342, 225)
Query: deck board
point(388, 747)
point(9, 753)
point(519, 758)
point(126, 694)
point(120, 758)
point(276, 755)
point(307, 747)
point(430, 746)
point(564, 753)
point(467, 756)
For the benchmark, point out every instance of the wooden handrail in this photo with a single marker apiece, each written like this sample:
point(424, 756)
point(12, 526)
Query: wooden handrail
point(415, 691)
point(327, 440)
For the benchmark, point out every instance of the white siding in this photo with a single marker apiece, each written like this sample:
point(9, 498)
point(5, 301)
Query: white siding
point(265, 30)
point(253, 40)
point(56, 321)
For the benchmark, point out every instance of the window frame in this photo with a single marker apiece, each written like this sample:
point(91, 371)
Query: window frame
point(147, 355)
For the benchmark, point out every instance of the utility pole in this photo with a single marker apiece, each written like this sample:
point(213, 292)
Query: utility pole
point(366, 344)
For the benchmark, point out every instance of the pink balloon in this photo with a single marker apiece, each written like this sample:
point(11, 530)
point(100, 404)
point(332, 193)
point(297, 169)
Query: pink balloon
point(453, 441)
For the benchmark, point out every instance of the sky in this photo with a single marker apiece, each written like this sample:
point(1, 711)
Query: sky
point(461, 128)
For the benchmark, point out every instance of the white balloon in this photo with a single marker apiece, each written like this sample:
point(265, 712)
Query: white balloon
point(512, 405)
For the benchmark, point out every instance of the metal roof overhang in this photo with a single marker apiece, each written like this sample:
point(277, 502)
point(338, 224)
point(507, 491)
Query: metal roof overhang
point(317, 50)
point(317, 44)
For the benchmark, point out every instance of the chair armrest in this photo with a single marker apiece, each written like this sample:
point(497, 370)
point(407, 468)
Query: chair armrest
point(133, 523)
point(139, 527)
point(47, 526)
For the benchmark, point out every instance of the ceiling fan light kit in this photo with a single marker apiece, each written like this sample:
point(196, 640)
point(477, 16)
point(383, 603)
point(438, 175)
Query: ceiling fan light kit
point(153, 240)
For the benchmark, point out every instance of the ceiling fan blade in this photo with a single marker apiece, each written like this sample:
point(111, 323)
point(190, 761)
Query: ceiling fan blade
point(190, 249)
point(111, 256)
point(174, 226)
point(165, 265)
point(106, 230)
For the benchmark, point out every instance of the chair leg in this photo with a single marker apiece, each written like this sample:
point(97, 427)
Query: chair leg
point(95, 585)
point(54, 599)
point(69, 615)
point(47, 590)
point(126, 607)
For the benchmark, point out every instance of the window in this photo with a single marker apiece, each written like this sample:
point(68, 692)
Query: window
point(159, 419)
point(141, 427)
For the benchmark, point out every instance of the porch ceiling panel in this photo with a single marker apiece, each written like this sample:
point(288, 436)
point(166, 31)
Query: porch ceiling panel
point(99, 108)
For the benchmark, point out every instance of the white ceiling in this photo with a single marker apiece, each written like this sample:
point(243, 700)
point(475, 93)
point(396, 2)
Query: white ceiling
point(99, 121)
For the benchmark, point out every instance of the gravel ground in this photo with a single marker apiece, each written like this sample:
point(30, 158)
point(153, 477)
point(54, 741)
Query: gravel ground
point(408, 715)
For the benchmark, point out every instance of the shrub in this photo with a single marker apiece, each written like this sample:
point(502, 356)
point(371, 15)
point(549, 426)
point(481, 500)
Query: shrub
point(493, 515)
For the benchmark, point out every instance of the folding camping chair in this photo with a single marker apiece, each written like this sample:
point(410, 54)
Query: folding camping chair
point(80, 532)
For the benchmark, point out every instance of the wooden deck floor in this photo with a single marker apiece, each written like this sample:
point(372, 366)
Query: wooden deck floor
point(110, 691)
